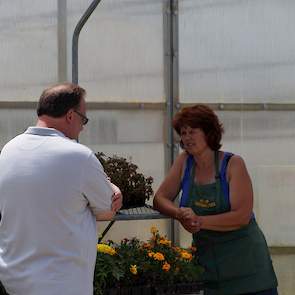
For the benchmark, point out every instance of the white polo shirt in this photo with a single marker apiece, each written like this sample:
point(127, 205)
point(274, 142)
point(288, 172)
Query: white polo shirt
point(50, 189)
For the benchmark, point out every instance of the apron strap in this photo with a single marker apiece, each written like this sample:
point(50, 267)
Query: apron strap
point(216, 160)
point(185, 183)
point(217, 179)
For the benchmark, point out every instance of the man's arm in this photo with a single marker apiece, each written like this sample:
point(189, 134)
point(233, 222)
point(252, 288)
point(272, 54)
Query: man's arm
point(115, 207)
point(104, 198)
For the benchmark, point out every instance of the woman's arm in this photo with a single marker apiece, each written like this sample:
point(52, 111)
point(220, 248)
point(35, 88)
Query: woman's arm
point(241, 200)
point(169, 188)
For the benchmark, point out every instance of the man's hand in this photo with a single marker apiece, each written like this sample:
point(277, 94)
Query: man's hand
point(117, 198)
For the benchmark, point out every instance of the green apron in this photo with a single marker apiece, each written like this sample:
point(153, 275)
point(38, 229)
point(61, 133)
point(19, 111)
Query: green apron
point(237, 261)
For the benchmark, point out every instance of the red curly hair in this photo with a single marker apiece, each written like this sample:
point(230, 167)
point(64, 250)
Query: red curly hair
point(200, 116)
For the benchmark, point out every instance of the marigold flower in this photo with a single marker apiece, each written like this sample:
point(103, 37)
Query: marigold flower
point(165, 242)
point(166, 266)
point(133, 269)
point(151, 254)
point(154, 230)
point(147, 246)
point(186, 255)
point(103, 248)
point(177, 249)
point(159, 256)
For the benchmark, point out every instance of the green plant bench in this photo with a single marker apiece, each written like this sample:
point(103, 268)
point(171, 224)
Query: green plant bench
point(137, 213)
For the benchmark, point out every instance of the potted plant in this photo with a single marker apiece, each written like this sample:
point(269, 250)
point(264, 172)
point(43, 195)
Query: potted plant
point(145, 268)
point(135, 187)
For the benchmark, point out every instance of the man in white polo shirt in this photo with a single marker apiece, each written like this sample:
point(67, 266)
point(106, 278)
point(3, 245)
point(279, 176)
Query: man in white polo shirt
point(52, 191)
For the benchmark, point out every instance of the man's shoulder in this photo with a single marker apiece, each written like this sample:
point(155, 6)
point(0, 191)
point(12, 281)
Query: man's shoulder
point(12, 142)
point(71, 146)
point(54, 145)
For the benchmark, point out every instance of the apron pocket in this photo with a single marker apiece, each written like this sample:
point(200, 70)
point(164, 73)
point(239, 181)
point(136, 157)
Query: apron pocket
point(236, 258)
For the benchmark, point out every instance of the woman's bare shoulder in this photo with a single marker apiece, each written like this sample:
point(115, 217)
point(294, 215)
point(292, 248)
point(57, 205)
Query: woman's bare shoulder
point(181, 158)
point(236, 165)
point(236, 161)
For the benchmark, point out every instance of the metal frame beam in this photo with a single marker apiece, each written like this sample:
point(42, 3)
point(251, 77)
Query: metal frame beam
point(245, 107)
point(171, 79)
point(75, 40)
point(62, 40)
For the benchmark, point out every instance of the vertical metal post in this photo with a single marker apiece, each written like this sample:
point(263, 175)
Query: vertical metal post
point(62, 39)
point(75, 39)
point(171, 86)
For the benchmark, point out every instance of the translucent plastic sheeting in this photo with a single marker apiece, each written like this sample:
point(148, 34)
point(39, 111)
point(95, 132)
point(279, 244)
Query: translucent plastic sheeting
point(28, 46)
point(135, 135)
point(120, 50)
point(14, 122)
point(237, 51)
point(284, 267)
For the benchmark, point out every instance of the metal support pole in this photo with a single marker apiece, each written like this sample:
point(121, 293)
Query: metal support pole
point(105, 231)
point(171, 85)
point(62, 39)
point(75, 39)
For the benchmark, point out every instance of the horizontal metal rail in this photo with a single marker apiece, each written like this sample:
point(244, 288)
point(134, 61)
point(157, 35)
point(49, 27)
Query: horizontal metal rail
point(91, 105)
point(279, 250)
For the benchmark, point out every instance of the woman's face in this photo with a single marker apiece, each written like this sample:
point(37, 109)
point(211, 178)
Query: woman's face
point(193, 139)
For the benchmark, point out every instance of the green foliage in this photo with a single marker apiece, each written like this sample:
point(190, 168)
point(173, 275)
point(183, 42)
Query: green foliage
point(136, 189)
point(135, 263)
point(108, 272)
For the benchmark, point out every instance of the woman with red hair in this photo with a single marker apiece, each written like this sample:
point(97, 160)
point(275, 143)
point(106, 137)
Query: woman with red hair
point(216, 207)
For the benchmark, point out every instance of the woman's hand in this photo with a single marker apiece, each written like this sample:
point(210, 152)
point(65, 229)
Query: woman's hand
point(186, 213)
point(189, 220)
point(192, 227)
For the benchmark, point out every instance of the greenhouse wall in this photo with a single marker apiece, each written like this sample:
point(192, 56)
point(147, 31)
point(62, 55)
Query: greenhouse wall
point(234, 54)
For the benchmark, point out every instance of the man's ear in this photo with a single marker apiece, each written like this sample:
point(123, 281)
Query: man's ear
point(69, 116)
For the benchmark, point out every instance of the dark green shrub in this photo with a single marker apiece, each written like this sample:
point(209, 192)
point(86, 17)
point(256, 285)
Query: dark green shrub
point(136, 189)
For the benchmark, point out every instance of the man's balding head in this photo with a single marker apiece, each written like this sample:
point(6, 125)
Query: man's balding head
point(57, 100)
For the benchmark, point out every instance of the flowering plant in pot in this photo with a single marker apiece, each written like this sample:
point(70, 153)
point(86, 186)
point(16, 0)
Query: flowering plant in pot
point(135, 187)
point(154, 265)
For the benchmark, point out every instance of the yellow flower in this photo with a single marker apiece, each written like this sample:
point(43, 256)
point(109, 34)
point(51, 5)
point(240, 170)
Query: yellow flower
point(177, 249)
point(159, 256)
point(103, 248)
point(165, 242)
point(151, 254)
point(185, 255)
point(147, 246)
point(154, 230)
point(133, 269)
point(166, 266)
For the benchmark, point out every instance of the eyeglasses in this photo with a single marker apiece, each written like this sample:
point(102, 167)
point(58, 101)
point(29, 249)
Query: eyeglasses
point(84, 118)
